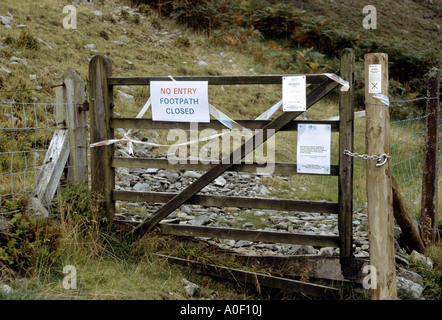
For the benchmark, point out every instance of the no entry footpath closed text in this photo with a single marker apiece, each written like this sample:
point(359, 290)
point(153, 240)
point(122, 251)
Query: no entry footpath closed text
point(182, 101)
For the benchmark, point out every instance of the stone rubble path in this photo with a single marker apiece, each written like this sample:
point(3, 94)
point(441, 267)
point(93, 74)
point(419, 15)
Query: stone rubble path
point(234, 184)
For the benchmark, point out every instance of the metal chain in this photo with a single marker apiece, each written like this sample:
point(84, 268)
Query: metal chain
point(382, 159)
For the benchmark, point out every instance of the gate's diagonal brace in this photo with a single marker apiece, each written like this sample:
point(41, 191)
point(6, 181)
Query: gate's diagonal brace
point(314, 96)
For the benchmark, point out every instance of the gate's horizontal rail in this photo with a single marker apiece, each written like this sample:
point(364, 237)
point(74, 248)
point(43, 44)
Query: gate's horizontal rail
point(215, 80)
point(280, 168)
point(257, 279)
point(249, 235)
point(227, 201)
point(136, 123)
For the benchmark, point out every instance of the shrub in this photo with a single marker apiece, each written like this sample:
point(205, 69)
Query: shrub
point(31, 243)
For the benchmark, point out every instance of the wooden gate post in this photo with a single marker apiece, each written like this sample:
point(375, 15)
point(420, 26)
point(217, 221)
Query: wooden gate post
point(68, 98)
point(101, 103)
point(345, 187)
point(379, 190)
point(428, 221)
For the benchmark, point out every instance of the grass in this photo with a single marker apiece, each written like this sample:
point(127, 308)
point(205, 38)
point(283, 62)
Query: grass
point(108, 265)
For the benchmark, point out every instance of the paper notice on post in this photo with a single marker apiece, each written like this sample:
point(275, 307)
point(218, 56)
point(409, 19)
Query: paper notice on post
point(374, 78)
point(294, 93)
point(313, 148)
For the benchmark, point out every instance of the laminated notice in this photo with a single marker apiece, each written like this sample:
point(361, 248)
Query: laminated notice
point(313, 148)
point(375, 78)
point(294, 93)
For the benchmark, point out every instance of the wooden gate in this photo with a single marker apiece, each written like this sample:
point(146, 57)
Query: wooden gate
point(104, 162)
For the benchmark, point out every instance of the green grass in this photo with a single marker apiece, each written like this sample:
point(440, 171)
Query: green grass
point(110, 266)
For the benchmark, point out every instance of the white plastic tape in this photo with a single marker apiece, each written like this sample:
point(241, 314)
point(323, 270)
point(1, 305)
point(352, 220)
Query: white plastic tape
point(382, 98)
point(345, 84)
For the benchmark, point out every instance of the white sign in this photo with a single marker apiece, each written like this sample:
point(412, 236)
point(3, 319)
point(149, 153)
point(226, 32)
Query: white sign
point(182, 101)
point(374, 78)
point(313, 148)
point(293, 93)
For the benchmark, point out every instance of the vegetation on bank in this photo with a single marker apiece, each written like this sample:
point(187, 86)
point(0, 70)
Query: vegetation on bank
point(249, 34)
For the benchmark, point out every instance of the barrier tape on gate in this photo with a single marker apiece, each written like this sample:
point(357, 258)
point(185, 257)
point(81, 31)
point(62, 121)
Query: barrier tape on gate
point(221, 117)
point(345, 84)
point(382, 98)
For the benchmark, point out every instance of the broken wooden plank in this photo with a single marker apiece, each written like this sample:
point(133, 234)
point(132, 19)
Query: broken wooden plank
point(404, 220)
point(311, 266)
point(54, 163)
point(258, 279)
point(269, 130)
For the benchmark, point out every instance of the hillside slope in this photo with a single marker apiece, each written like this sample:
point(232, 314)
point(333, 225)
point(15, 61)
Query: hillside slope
point(36, 49)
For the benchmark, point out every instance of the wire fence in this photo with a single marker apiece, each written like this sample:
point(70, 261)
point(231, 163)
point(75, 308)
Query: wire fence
point(26, 130)
point(407, 151)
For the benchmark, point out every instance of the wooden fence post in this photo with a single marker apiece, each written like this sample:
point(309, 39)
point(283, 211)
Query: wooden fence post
point(428, 221)
point(379, 189)
point(345, 194)
point(68, 98)
point(101, 104)
point(69, 143)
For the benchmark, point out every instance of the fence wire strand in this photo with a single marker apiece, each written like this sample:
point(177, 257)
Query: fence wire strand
point(407, 151)
point(26, 130)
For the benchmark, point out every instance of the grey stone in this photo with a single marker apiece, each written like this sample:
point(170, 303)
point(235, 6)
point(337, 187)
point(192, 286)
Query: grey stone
point(36, 207)
point(220, 182)
point(192, 289)
point(200, 221)
point(409, 286)
point(417, 257)
point(129, 64)
point(125, 98)
point(21, 60)
point(410, 275)
point(243, 243)
point(5, 70)
point(303, 249)
point(326, 251)
point(44, 42)
point(192, 174)
point(91, 46)
point(5, 20)
point(247, 225)
point(259, 213)
point(141, 186)
point(263, 190)
point(5, 289)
